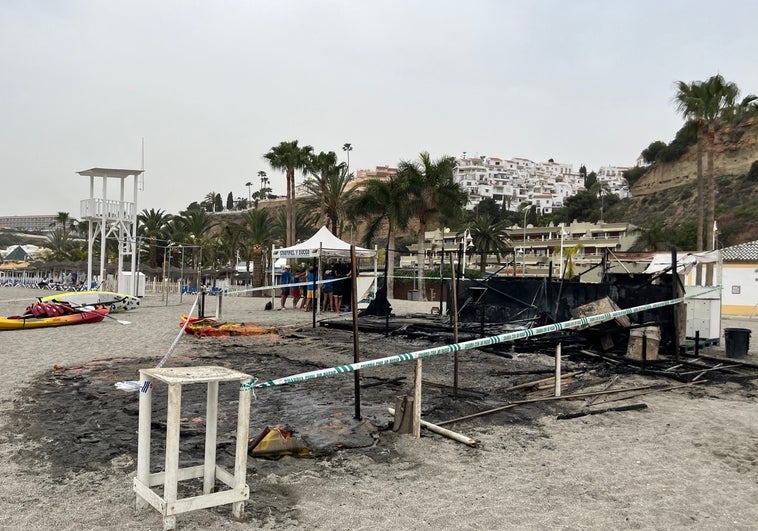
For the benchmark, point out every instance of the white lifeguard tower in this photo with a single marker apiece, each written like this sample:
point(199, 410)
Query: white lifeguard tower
point(111, 218)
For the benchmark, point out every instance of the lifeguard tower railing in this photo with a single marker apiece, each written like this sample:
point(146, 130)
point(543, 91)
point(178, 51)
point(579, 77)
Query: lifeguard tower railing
point(95, 208)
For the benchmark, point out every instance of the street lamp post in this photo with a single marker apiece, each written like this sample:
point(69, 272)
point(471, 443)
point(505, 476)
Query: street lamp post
point(466, 243)
point(526, 211)
point(560, 266)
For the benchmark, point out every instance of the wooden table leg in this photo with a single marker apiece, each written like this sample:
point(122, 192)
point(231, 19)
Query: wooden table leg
point(143, 441)
point(211, 427)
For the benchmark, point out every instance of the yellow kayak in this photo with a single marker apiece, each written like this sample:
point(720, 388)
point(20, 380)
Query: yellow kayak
point(21, 322)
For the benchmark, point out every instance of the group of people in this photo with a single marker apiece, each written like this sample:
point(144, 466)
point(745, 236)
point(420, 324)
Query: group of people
point(333, 290)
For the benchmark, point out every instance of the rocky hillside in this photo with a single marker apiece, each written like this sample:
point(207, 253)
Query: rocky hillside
point(668, 191)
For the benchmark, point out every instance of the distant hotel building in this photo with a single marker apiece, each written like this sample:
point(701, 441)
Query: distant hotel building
point(535, 248)
point(381, 173)
point(28, 223)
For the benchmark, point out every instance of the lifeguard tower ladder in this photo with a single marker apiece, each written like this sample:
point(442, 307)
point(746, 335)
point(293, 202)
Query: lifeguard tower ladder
point(115, 218)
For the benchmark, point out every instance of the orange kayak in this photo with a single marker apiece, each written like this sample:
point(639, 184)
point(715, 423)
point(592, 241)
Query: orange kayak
point(208, 327)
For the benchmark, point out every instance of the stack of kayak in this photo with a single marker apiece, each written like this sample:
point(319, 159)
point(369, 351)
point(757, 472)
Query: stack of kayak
point(207, 327)
point(45, 314)
point(115, 302)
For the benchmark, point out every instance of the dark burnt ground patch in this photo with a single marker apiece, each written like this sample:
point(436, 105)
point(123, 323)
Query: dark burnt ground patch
point(74, 419)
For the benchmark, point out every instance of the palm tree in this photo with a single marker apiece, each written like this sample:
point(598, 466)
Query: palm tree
point(490, 236)
point(706, 102)
point(570, 253)
point(321, 165)
point(347, 147)
point(305, 224)
point(230, 241)
point(655, 237)
point(65, 221)
point(58, 243)
point(194, 225)
point(264, 182)
point(289, 157)
point(433, 192)
point(258, 236)
point(330, 190)
point(383, 204)
point(600, 190)
point(249, 184)
point(152, 224)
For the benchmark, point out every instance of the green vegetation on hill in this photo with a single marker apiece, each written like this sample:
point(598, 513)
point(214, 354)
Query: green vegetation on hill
point(676, 210)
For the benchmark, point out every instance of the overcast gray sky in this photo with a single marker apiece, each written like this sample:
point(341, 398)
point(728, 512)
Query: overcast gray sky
point(211, 86)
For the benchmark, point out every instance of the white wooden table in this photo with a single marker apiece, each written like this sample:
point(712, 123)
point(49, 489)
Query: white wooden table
point(168, 504)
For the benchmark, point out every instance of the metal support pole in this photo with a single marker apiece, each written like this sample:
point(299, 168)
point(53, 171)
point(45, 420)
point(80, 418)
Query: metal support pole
point(356, 350)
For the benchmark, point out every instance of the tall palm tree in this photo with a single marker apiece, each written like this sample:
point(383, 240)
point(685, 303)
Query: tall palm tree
point(152, 224)
point(321, 165)
point(601, 190)
point(706, 102)
point(433, 192)
point(258, 236)
point(289, 157)
point(489, 237)
point(331, 191)
point(347, 147)
point(383, 204)
point(249, 184)
point(65, 221)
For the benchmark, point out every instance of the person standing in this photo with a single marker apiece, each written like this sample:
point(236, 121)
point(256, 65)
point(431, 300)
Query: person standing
point(310, 291)
point(296, 292)
point(328, 290)
point(285, 280)
point(338, 289)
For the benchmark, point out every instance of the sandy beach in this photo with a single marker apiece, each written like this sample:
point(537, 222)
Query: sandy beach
point(690, 459)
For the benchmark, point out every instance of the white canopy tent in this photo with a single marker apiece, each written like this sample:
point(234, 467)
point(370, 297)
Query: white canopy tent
point(324, 244)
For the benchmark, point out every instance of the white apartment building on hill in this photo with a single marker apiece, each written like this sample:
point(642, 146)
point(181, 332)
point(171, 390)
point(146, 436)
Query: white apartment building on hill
point(512, 182)
point(613, 176)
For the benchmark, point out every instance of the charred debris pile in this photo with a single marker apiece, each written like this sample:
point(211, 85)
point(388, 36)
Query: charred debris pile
point(651, 342)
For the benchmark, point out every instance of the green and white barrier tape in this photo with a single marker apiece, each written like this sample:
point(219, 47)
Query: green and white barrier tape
point(278, 286)
point(474, 343)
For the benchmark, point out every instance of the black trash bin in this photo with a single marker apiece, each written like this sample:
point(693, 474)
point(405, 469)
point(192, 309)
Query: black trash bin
point(737, 342)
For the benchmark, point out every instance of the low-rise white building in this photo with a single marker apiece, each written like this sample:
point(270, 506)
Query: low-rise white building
point(739, 279)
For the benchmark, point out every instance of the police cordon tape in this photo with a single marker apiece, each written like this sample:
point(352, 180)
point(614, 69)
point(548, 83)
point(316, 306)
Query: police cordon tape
point(253, 383)
point(279, 286)
point(133, 385)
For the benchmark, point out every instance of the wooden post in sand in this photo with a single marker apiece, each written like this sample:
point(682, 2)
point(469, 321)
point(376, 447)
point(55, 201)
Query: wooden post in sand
point(219, 304)
point(417, 400)
point(407, 410)
point(356, 350)
point(455, 325)
point(558, 370)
